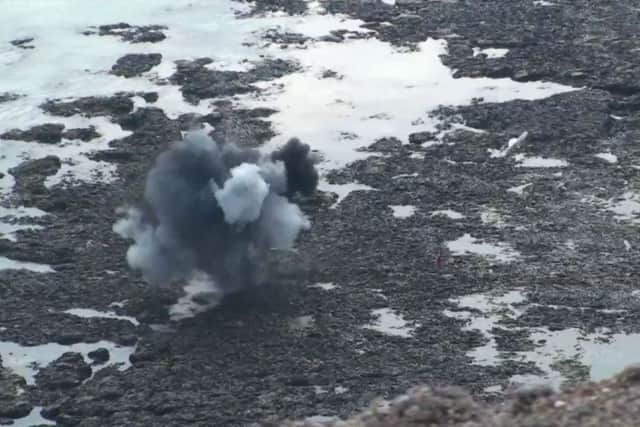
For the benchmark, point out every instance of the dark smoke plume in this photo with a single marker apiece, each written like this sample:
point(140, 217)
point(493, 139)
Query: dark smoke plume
point(217, 209)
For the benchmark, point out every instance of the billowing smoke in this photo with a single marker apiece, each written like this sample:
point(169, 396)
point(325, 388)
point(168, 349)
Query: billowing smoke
point(218, 209)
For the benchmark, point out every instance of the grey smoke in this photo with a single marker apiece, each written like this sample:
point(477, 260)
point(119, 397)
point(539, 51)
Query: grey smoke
point(217, 209)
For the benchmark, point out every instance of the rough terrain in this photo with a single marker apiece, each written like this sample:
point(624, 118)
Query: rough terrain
point(258, 356)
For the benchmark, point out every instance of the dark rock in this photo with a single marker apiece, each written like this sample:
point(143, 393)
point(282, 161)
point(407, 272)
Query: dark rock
point(198, 82)
point(49, 133)
point(99, 355)
point(114, 156)
point(150, 97)
point(90, 106)
point(128, 339)
point(31, 174)
point(132, 33)
point(142, 356)
point(135, 64)
point(68, 371)
point(83, 134)
point(23, 43)
point(7, 97)
point(15, 409)
point(45, 166)
point(67, 338)
point(421, 137)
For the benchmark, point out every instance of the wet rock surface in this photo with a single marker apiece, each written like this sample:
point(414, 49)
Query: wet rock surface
point(199, 82)
point(49, 133)
point(131, 33)
point(249, 359)
point(90, 106)
point(68, 371)
point(135, 64)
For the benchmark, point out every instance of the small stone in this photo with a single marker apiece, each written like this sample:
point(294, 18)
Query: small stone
point(99, 355)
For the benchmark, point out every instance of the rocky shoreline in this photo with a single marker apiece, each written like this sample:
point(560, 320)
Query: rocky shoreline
point(308, 343)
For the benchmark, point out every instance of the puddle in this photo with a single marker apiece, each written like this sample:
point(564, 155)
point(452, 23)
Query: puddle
point(201, 295)
point(26, 360)
point(468, 244)
point(402, 211)
point(490, 52)
point(391, 323)
point(448, 213)
point(324, 286)
point(603, 353)
point(33, 419)
point(539, 162)
point(10, 264)
point(608, 157)
point(89, 313)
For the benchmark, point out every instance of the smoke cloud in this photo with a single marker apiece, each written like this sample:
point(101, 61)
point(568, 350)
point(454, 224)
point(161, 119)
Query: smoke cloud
point(217, 209)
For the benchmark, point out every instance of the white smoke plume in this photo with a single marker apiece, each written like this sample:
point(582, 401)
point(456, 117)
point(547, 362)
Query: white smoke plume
point(218, 209)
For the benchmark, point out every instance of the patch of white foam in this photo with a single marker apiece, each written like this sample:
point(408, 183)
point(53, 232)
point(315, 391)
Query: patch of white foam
point(10, 264)
point(543, 3)
point(626, 207)
point(405, 175)
point(539, 162)
point(342, 190)
point(448, 213)
point(627, 245)
point(89, 313)
point(403, 211)
point(324, 286)
point(493, 389)
point(201, 287)
point(340, 389)
point(510, 144)
point(519, 189)
point(608, 157)
point(391, 323)
point(468, 244)
point(301, 323)
point(490, 216)
point(393, 98)
point(490, 52)
point(27, 360)
point(33, 419)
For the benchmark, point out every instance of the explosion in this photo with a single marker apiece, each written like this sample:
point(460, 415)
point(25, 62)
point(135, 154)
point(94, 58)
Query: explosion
point(217, 209)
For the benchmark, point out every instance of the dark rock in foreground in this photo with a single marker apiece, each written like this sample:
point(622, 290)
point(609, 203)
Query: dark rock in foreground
point(612, 402)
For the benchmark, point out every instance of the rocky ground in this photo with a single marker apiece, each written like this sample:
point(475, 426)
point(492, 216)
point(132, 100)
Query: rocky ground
point(294, 350)
point(611, 402)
